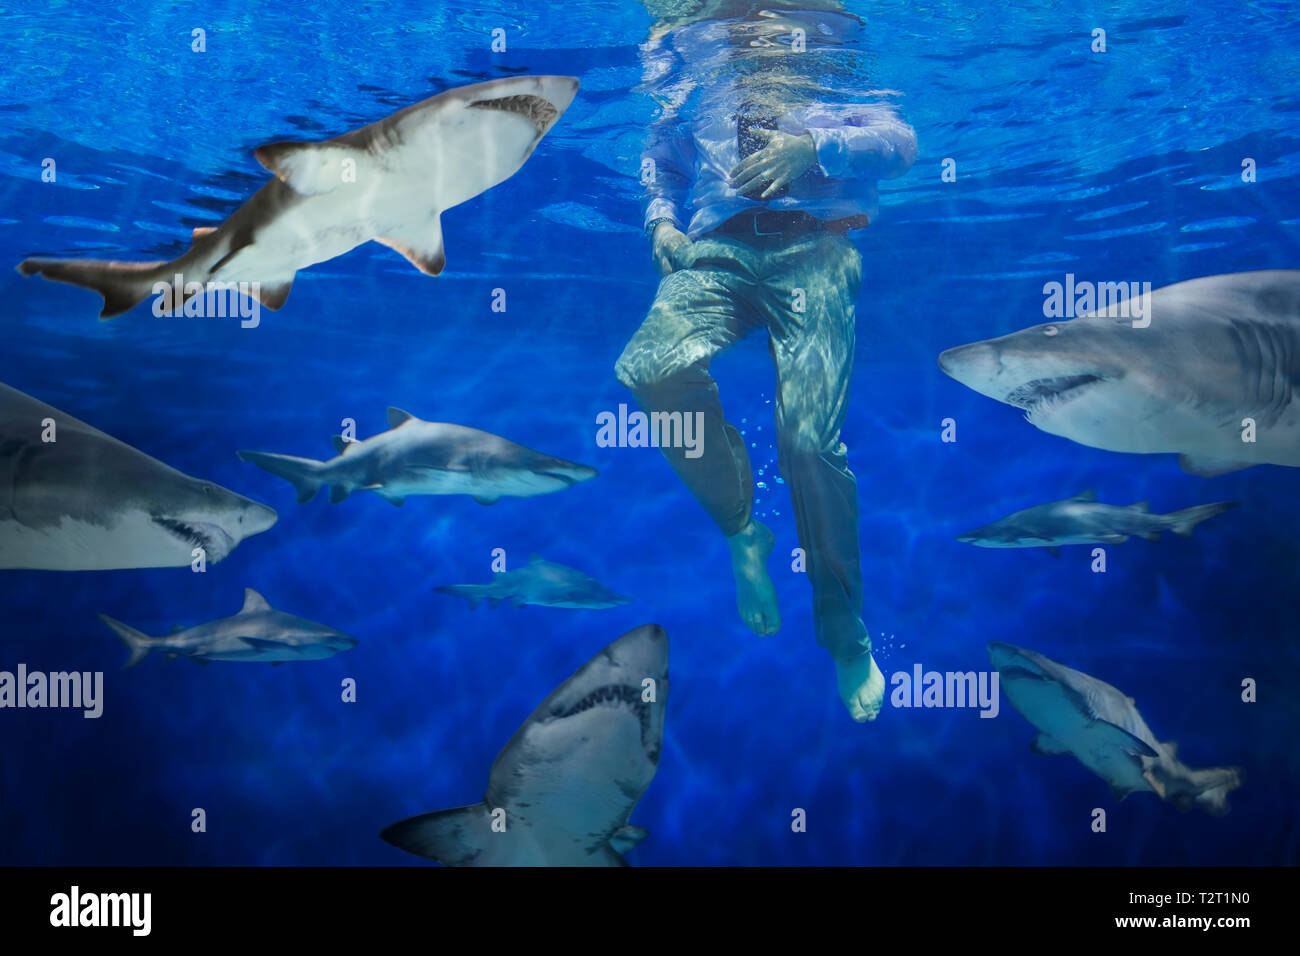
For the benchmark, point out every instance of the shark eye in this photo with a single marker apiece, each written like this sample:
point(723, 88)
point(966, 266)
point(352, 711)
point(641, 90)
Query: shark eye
point(209, 490)
point(1050, 330)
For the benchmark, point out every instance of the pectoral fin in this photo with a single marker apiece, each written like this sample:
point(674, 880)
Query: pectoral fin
point(425, 252)
point(625, 838)
point(1115, 736)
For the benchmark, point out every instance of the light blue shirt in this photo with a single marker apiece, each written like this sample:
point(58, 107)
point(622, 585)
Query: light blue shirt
point(690, 159)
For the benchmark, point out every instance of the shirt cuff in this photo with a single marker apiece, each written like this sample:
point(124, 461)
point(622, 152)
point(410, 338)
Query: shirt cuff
point(661, 209)
point(832, 152)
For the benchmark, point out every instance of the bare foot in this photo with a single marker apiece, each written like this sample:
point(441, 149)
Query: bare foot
point(862, 687)
point(755, 595)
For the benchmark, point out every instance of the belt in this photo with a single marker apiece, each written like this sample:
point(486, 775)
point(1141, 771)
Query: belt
point(786, 224)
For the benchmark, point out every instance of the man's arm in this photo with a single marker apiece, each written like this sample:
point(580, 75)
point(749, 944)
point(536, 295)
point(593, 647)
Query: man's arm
point(665, 172)
point(867, 147)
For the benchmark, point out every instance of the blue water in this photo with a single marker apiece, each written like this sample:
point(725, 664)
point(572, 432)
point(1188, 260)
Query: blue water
point(1108, 165)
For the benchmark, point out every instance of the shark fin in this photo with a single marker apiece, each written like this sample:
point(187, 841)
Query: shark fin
point(201, 231)
point(139, 643)
point(1142, 506)
point(1116, 736)
point(1047, 745)
point(397, 417)
point(309, 169)
point(470, 592)
point(122, 285)
point(1152, 535)
point(1184, 521)
point(426, 253)
point(452, 837)
point(303, 473)
point(273, 296)
point(486, 499)
point(338, 493)
point(341, 444)
point(1088, 495)
point(1119, 793)
point(254, 602)
point(395, 500)
point(626, 838)
point(1210, 467)
point(1172, 747)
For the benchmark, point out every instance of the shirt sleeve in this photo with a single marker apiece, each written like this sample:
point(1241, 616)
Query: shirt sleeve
point(668, 158)
point(864, 147)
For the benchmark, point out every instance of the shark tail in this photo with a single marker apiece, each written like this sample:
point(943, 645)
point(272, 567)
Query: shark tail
point(470, 592)
point(452, 837)
point(305, 474)
point(122, 285)
point(1184, 521)
point(1209, 789)
point(139, 643)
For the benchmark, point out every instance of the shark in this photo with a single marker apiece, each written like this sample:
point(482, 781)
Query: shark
point(415, 457)
point(1084, 520)
point(75, 499)
point(543, 583)
point(388, 182)
point(562, 790)
point(258, 633)
point(1101, 727)
point(1213, 375)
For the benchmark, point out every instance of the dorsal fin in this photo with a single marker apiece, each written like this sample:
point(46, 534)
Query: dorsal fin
point(1141, 506)
point(1088, 495)
point(396, 417)
point(341, 444)
point(253, 602)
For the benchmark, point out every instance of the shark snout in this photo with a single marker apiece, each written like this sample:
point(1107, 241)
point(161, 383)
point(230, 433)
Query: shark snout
point(256, 518)
point(974, 365)
point(560, 91)
point(568, 472)
point(1002, 654)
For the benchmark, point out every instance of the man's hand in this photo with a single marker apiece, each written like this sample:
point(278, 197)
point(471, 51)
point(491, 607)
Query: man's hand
point(667, 241)
point(783, 160)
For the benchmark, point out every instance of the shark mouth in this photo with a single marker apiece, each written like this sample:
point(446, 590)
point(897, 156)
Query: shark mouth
point(540, 112)
point(213, 540)
point(618, 695)
point(1037, 395)
point(568, 481)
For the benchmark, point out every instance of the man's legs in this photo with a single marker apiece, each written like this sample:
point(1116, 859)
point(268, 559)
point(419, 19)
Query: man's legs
point(813, 352)
point(697, 313)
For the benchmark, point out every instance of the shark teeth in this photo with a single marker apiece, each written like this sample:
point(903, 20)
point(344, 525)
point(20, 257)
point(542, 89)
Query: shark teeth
point(200, 536)
point(1032, 396)
point(615, 695)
